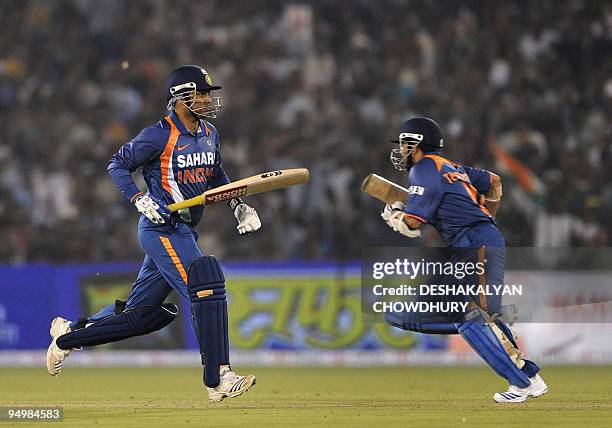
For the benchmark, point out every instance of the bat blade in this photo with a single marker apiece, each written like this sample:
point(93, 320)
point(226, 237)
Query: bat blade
point(259, 183)
point(383, 189)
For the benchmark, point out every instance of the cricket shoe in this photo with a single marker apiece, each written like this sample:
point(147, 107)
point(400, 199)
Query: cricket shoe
point(55, 355)
point(515, 394)
point(231, 385)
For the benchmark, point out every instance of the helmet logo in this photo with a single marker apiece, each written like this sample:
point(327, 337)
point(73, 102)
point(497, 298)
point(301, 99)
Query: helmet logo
point(207, 77)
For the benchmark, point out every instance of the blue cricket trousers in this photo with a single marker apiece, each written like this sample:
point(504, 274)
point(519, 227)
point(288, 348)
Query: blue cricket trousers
point(482, 243)
point(169, 250)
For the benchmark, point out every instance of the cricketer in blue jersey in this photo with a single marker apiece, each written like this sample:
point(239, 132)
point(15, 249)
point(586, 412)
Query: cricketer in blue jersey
point(460, 202)
point(180, 158)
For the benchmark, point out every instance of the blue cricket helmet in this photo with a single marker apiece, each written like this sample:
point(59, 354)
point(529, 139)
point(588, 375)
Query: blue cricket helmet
point(183, 85)
point(189, 77)
point(421, 132)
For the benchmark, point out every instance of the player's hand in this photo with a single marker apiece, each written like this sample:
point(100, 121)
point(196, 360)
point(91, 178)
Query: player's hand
point(396, 222)
point(389, 209)
point(248, 220)
point(393, 215)
point(152, 208)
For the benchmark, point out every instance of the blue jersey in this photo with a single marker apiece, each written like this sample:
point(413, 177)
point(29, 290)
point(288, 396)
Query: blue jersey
point(448, 196)
point(176, 164)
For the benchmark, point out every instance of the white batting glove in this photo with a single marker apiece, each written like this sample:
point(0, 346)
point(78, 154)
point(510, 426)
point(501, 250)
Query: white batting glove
point(248, 220)
point(393, 215)
point(388, 210)
point(152, 208)
point(396, 222)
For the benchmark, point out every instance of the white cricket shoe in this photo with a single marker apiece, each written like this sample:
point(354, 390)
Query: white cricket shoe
point(55, 355)
point(518, 395)
point(231, 385)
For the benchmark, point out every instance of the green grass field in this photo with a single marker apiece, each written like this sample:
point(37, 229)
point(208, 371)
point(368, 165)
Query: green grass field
point(408, 396)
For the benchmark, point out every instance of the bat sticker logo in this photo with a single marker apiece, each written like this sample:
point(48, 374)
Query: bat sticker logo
point(271, 174)
point(226, 195)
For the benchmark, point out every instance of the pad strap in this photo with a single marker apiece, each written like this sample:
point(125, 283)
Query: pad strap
point(478, 332)
point(515, 354)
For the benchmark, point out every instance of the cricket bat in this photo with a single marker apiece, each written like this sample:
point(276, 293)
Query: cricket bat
point(260, 183)
point(383, 189)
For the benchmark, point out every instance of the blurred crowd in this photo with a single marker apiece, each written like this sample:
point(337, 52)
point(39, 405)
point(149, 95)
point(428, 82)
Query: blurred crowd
point(323, 85)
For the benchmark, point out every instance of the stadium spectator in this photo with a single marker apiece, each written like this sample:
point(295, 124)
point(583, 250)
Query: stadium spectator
point(305, 84)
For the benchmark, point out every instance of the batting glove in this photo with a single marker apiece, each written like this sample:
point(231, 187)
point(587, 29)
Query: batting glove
point(248, 220)
point(152, 208)
point(393, 215)
point(389, 209)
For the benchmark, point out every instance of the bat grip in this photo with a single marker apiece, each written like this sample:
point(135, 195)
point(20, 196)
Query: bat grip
point(184, 204)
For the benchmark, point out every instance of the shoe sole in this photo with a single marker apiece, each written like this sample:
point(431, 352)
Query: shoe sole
point(55, 326)
point(247, 385)
point(54, 331)
point(534, 395)
point(506, 401)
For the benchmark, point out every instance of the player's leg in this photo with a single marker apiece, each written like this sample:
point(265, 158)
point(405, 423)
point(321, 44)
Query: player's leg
point(61, 326)
point(424, 322)
point(142, 314)
point(175, 255)
point(428, 323)
point(150, 288)
point(492, 339)
point(494, 261)
point(209, 310)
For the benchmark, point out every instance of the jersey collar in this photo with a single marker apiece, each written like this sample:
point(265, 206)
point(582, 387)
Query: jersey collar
point(179, 125)
point(203, 129)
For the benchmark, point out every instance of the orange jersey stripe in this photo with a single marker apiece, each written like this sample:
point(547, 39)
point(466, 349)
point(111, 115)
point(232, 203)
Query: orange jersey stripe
point(474, 195)
point(175, 259)
point(166, 156)
point(440, 161)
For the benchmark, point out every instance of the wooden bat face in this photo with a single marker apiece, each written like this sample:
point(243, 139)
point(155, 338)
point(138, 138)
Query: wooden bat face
point(264, 182)
point(383, 189)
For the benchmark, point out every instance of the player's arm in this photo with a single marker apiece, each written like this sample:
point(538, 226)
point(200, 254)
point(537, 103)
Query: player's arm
point(399, 221)
point(493, 197)
point(487, 184)
point(425, 194)
point(145, 147)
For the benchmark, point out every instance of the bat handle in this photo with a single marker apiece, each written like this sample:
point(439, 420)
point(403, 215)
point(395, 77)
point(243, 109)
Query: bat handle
point(184, 204)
